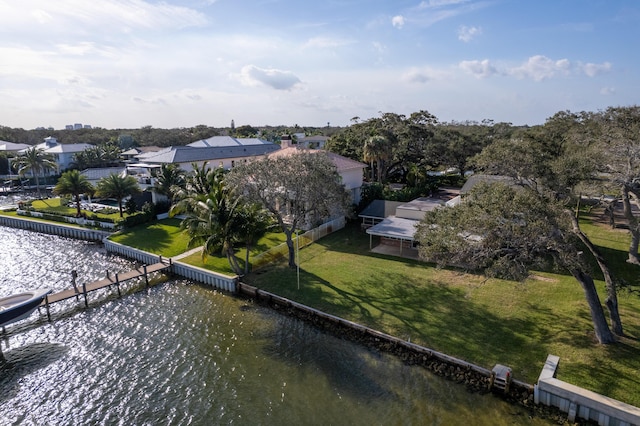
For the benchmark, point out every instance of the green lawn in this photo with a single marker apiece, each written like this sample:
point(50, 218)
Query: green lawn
point(162, 237)
point(59, 206)
point(467, 316)
point(479, 320)
point(167, 239)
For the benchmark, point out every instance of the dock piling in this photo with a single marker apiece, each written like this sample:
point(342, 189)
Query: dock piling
point(46, 304)
point(118, 285)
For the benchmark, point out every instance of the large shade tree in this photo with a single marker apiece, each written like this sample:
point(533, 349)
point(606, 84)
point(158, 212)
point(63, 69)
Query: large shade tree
point(507, 232)
point(299, 190)
point(618, 138)
point(73, 183)
point(546, 160)
point(35, 161)
point(117, 186)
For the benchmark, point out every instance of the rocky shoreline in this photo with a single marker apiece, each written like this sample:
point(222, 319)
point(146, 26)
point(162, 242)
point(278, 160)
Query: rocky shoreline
point(475, 379)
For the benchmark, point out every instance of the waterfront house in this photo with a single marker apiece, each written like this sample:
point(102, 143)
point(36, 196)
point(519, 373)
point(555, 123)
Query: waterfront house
point(63, 154)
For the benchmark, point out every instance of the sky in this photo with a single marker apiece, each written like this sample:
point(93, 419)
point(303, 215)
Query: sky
point(170, 64)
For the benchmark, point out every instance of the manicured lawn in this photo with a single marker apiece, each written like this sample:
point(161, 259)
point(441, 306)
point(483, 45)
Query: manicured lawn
point(162, 237)
point(464, 315)
point(165, 238)
point(55, 205)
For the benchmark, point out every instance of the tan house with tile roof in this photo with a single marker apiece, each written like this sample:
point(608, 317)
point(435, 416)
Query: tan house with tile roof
point(351, 171)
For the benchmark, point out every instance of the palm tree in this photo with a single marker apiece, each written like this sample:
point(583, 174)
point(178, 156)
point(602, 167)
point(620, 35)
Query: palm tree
point(73, 183)
point(376, 149)
point(213, 221)
point(36, 161)
point(170, 180)
point(118, 187)
point(254, 222)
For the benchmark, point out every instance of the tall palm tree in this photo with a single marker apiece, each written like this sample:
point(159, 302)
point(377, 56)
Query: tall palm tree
point(36, 161)
point(254, 223)
point(73, 183)
point(376, 150)
point(118, 187)
point(213, 221)
point(170, 180)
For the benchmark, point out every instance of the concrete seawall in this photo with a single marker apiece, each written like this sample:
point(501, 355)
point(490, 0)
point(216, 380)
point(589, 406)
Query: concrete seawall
point(54, 229)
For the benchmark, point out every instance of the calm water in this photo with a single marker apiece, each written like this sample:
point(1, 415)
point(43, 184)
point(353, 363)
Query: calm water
point(183, 354)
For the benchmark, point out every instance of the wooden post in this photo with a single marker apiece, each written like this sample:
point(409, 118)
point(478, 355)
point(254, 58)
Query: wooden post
point(74, 275)
point(146, 277)
point(84, 290)
point(118, 284)
point(46, 303)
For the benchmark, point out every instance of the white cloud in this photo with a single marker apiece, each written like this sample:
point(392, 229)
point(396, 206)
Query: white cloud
point(397, 21)
point(95, 16)
point(252, 75)
point(424, 75)
point(467, 34)
point(426, 4)
point(592, 70)
point(608, 91)
point(325, 42)
point(480, 69)
point(540, 67)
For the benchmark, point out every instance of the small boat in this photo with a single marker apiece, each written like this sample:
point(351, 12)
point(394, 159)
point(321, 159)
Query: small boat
point(19, 306)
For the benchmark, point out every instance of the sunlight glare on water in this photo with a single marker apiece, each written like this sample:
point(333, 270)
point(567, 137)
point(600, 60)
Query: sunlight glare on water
point(184, 354)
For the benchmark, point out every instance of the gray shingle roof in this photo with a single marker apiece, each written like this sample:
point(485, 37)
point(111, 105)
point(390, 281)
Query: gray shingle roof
point(227, 141)
point(190, 154)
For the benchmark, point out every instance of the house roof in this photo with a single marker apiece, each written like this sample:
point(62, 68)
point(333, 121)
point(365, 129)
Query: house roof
point(190, 154)
point(68, 148)
point(380, 209)
point(423, 204)
point(342, 163)
point(141, 149)
point(476, 179)
point(227, 141)
point(11, 146)
point(395, 227)
point(99, 173)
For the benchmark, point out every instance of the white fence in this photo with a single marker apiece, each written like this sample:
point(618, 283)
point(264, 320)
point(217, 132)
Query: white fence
point(77, 220)
point(281, 251)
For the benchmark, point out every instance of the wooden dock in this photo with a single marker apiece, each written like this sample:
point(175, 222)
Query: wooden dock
point(108, 281)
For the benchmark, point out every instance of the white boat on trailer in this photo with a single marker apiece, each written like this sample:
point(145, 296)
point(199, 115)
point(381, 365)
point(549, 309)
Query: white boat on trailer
point(19, 306)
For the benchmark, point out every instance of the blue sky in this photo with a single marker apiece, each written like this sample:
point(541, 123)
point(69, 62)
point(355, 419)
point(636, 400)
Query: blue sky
point(132, 63)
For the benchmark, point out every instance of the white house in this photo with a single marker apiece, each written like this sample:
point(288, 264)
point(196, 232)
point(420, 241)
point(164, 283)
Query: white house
point(61, 153)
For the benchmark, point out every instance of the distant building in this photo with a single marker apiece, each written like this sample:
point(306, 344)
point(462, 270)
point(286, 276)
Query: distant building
point(62, 153)
point(217, 151)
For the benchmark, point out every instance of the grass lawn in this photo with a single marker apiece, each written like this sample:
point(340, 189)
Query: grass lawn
point(162, 238)
point(55, 205)
point(467, 316)
point(167, 239)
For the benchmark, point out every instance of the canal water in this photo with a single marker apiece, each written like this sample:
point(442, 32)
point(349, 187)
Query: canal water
point(183, 354)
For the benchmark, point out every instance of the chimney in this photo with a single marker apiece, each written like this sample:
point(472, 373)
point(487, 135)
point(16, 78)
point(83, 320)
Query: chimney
point(285, 141)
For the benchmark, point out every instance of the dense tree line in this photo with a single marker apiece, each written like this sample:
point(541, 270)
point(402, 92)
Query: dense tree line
point(151, 136)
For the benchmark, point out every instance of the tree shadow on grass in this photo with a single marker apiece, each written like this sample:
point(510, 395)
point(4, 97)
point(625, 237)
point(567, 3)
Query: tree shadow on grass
point(432, 314)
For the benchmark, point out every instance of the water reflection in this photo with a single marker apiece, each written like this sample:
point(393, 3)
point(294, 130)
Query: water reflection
point(181, 353)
